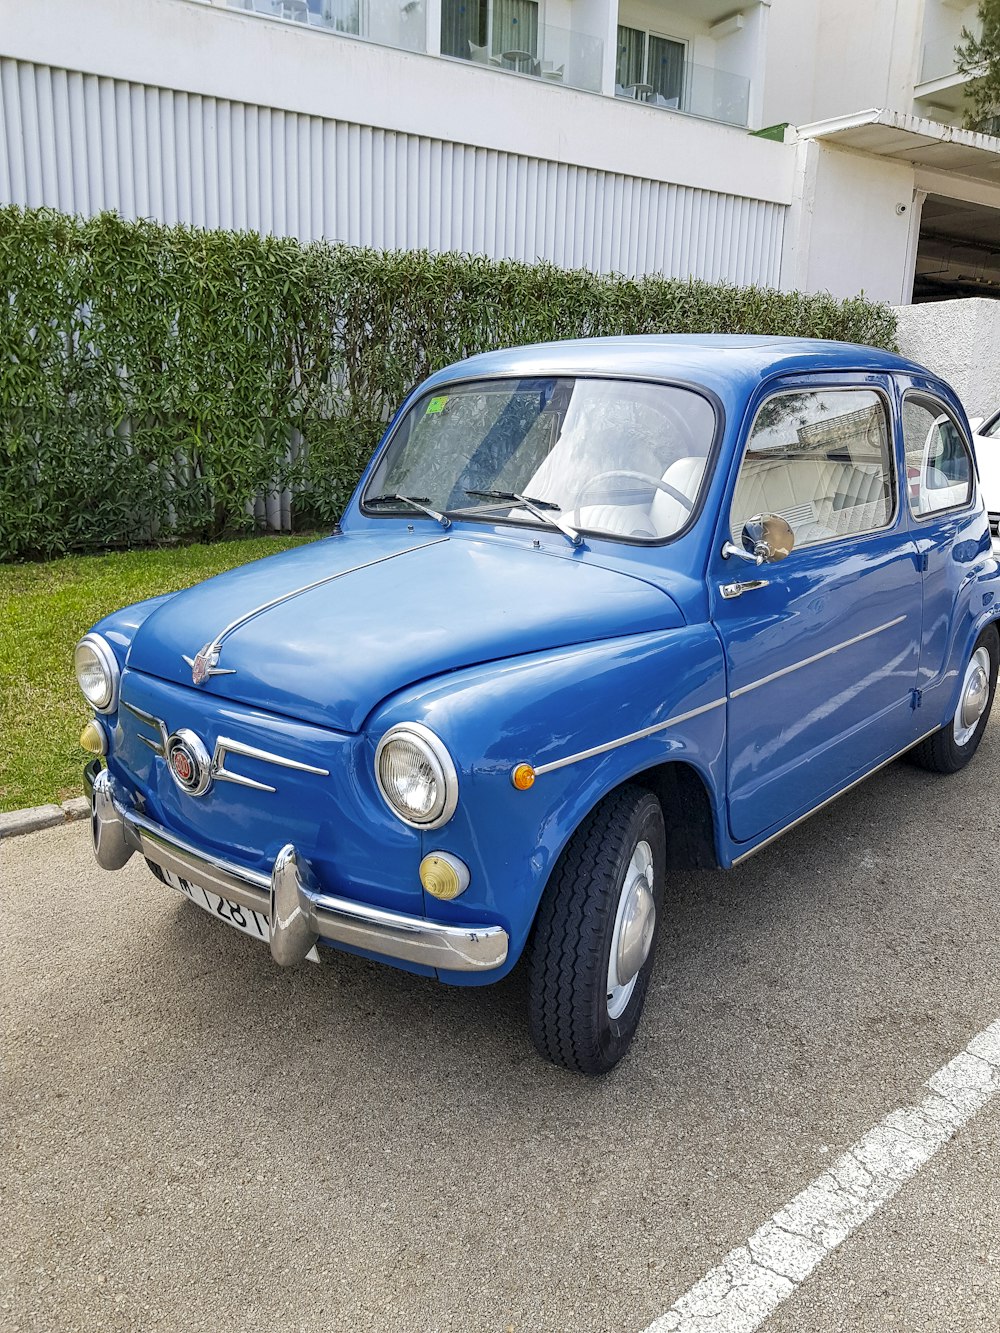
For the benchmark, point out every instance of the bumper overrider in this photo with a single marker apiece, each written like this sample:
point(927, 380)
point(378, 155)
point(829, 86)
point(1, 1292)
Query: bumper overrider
point(298, 912)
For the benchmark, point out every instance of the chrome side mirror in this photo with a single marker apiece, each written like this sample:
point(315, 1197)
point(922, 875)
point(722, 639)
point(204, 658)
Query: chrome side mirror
point(766, 539)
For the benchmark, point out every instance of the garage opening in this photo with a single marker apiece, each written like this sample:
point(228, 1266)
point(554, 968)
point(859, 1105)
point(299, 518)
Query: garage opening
point(958, 253)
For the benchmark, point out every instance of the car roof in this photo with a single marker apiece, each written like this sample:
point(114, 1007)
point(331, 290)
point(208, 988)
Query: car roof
point(716, 361)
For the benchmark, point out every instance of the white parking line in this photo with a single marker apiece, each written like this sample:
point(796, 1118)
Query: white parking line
point(753, 1280)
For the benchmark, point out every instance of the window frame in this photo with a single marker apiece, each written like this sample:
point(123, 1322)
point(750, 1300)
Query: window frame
point(880, 392)
point(945, 411)
point(990, 429)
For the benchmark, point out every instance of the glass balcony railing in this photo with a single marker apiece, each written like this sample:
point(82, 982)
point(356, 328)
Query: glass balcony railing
point(697, 90)
point(939, 60)
point(399, 23)
point(525, 46)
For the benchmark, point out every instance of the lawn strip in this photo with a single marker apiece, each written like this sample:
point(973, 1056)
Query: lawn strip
point(44, 609)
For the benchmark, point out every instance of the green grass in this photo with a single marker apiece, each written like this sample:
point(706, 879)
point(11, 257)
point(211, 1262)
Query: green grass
point(44, 609)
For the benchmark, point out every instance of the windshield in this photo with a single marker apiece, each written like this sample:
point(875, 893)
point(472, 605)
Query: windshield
point(616, 458)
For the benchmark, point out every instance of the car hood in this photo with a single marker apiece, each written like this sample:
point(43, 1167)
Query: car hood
point(325, 632)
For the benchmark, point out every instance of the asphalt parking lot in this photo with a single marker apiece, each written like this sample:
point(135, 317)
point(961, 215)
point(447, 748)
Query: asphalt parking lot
point(196, 1139)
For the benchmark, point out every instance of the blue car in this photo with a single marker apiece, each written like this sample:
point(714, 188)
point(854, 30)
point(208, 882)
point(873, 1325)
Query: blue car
point(598, 612)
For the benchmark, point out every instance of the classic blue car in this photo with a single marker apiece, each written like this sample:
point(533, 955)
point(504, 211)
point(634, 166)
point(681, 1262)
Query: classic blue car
point(598, 611)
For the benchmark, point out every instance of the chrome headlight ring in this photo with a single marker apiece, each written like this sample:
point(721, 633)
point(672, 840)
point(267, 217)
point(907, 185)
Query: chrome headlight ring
point(414, 746)
point(95, 663)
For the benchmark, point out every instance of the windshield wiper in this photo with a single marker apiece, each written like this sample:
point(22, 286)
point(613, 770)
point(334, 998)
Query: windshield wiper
point(536, 507)
point(415, 502)
point(513, 495)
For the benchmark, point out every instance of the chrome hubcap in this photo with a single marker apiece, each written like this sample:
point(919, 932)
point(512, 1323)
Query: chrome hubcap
point(975, 696)
point(635, 921)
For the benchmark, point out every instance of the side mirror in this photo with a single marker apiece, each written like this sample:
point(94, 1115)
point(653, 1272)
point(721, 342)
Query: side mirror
point(766, 539)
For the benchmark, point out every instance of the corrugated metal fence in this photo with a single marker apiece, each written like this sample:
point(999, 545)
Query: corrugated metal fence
point(82, 143)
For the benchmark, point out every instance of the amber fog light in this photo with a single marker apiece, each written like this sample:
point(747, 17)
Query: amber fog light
point(444, 875)
point(94, 739)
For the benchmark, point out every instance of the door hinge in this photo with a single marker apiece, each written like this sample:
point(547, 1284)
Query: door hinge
point(918, 696)
point(923, 562)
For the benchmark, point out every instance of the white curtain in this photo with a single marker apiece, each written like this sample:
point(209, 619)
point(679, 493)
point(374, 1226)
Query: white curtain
point(515, 26)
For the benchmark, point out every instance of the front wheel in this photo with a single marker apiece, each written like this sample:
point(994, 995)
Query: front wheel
point(592, 949)
point(953, 746)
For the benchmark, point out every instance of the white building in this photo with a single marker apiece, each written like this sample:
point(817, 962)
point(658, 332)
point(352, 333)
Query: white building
point(607, 134)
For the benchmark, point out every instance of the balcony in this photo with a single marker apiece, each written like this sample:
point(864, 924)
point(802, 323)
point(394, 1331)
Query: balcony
point(940, 94)
point(694, 90)
point(399, 23)
point(508, 35)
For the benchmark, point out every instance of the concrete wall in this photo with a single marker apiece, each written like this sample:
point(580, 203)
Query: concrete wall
point(843, 233)
point(960, 341)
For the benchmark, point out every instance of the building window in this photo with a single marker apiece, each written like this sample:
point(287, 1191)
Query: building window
point(650, 67)
point(484, 30)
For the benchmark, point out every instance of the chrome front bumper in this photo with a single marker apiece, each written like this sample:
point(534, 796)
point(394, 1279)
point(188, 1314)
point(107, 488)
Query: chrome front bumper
point(298, 912)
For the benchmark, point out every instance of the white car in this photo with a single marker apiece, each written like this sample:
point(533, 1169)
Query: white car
point(986, 438)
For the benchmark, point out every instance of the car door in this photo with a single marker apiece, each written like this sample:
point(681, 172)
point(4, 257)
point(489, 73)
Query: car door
point(821, 647)
point(950, 531)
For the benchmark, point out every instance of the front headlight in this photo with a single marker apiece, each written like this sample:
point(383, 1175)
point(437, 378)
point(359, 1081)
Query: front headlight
point(416, 776)
point(97, 672)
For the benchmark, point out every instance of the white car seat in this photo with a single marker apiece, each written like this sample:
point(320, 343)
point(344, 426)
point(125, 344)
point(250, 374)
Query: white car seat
point(666, 514)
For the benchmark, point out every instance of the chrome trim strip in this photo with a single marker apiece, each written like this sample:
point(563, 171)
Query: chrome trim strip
point(627, 740)
point(224, 746)
point(835, 797)
point(211, 649)
point(156, 723)
point(816, 657)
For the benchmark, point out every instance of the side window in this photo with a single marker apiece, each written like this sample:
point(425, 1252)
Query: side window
point(820, 459)
point(992, 427)
point(938, 466)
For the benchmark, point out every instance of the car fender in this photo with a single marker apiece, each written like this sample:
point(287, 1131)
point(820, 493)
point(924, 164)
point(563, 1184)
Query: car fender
point(586, 719)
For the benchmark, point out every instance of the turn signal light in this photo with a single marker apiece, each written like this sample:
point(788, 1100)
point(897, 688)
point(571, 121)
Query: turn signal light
point(523, 777)
point(94, 739)
point(443, 875)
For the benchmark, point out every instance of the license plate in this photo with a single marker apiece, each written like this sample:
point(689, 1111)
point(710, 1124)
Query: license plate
point(243, 919)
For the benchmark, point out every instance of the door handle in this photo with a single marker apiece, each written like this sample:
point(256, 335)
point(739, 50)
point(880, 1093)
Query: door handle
point(730, 590)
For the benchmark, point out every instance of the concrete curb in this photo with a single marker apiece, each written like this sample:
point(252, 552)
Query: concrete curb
point(16, 822)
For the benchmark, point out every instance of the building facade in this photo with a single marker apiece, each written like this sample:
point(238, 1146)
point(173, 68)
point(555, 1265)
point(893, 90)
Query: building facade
point(615, 135)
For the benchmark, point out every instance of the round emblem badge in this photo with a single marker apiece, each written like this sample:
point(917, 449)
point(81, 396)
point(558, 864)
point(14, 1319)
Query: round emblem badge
point(189, 762)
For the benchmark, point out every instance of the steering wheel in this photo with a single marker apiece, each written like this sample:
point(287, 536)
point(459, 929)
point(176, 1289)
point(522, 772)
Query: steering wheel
point(665, 486)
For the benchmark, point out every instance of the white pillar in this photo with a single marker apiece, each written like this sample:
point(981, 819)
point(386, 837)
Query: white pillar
point(432, 17)
point(912, 243)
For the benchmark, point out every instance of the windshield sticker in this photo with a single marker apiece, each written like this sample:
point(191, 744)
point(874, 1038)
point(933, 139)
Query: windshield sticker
point(435, 405)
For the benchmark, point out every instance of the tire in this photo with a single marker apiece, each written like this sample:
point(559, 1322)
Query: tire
point(951, 748)
point(580, 1018)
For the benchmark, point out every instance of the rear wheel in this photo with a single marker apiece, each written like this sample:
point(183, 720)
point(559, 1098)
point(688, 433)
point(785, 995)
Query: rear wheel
point(953, 746)
point(592, 949)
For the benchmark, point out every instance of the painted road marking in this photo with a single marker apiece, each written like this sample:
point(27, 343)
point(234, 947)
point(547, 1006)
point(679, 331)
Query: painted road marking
point(754, 1279)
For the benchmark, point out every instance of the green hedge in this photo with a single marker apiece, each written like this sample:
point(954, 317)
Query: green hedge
point(154, 381)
